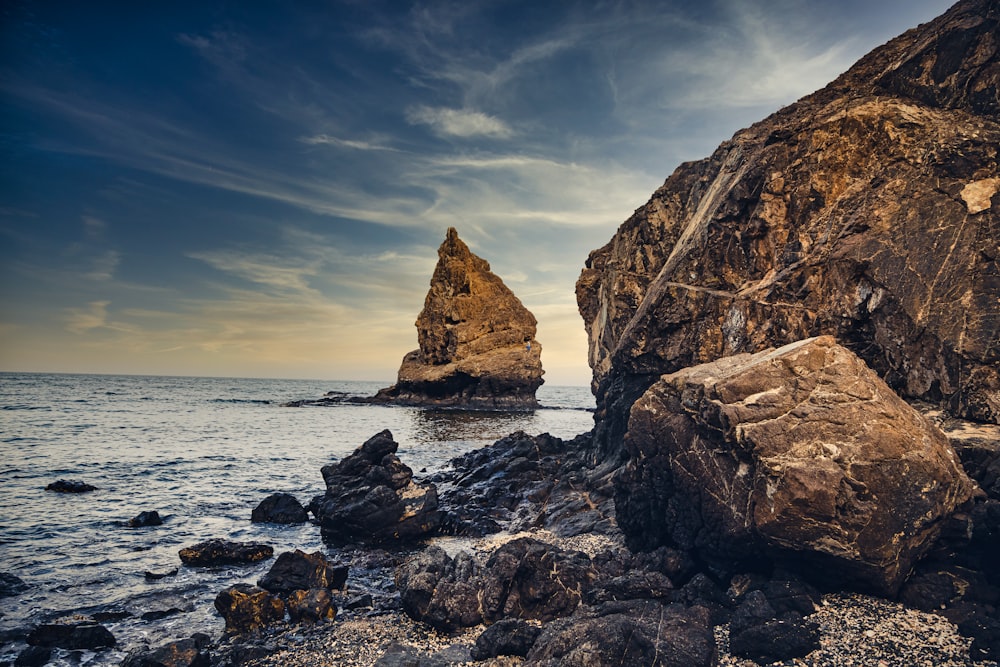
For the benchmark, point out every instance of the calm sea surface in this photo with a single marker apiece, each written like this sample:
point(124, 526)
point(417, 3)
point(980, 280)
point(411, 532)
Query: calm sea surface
point(202, 452)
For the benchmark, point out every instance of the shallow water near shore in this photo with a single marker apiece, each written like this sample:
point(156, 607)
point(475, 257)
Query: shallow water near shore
point(202, 452)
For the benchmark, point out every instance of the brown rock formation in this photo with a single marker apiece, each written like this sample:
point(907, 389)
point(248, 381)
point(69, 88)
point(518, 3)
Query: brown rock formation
point(801, 451)
point(867, 210)
point(477, 341)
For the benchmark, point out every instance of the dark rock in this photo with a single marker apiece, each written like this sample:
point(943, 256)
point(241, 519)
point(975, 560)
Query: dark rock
point(477, 341)
point(158, 614)
point(800, 451)
point(311, 606)
point(70, 486)
point(145, 519)
point(636, 585)
point(776, 640)
point(627, 633)
point(72, 634)
point(111, 616)
point(371, 497)
point(529, 579)
point(33, 656)
point(297, 570)
point(825, 218)
point(224, 552)
point(441, 591)
point(509, 636)
point(984, 629)
point(402, 655)
point(155, 576)
point(247, 608)
point(363, 601)
point(11, 585)
point(279, 508)
point(191, 652)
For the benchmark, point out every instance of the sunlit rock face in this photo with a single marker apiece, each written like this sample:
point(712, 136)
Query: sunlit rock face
point(867, 210)
point(477, 340)
point(800, 454)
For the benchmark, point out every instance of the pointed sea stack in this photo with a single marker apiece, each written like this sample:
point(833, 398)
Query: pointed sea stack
point(477, 341)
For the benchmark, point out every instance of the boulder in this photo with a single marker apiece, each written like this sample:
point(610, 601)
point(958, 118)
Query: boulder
point(439, 590)
point(627, 633)
point(224, 552)
point(371, 497)
point(311, 606)
point(279, 508)
point(297, 570)
point(509, 636)
point(70, 486)
point(799, 454)
point(867, 210)
point(192, 652)
point(757, 632)
point(145, 520)
point(72, 634)
point(477, 341)
point(247, 608)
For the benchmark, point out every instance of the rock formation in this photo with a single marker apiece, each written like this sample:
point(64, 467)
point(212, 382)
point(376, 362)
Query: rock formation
point(477, 341)
point(867, 210)
point(800, 452)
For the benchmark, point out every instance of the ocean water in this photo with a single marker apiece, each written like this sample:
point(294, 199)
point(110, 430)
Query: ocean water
point(202, 452)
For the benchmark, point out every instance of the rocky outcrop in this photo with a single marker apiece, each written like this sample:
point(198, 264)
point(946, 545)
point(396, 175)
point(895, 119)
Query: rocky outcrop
point(247, 608)
point(371, 497)
point(296, 571)
point(72, 633)
point(279, 508)
point(477, 341)
point(213, 553)
point(868, 210)
point(800, 453)
point(70, 486)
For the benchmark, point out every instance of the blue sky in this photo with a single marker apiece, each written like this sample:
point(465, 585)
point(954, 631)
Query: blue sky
point(259, 188)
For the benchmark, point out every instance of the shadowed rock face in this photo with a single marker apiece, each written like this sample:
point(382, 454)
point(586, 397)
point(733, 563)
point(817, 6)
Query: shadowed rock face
point(798, 452)
point(477, 341)
point(868, 211)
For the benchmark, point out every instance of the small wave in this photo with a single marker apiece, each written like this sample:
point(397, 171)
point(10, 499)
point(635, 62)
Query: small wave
point(257, 401)
point(22, 406)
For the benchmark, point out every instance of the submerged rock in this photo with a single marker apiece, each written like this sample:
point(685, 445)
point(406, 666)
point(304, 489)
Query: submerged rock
point(145, 520)
point(70, 486)
point(371, 497)
point(11, 585)
point(477, 341)
point(799, 454)
point(224, 552)
point(72, 634)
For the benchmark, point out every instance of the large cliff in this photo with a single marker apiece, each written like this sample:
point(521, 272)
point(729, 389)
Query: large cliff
point(477, 341)
point(867, 210)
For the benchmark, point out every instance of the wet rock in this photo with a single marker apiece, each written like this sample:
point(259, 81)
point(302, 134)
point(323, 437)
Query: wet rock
point(799, 454)
point(279, 508)
point(11, 585)
point(297, 570)
point(371, 497)
point(145, 519)
point(311, 606)
point(224, 552)
point(192, 652)
point(158, 614)
point(70, 486)
point(156, 576)
point(247, 608)
point(72, 634)
point(509, 636)
point(477, 341)
point(33, 656)
point(627, 633)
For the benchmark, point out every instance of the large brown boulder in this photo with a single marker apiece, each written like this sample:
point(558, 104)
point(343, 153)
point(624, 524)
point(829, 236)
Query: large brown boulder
point(868, 210)
point(800, 454)
point(477, 341)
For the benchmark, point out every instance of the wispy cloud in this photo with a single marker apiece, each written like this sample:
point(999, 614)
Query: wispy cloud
point(462, 123)
point(94, 316)
point(327, 140)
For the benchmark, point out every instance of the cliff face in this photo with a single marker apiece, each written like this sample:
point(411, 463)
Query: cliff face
point(867, 211)
point(477, 340)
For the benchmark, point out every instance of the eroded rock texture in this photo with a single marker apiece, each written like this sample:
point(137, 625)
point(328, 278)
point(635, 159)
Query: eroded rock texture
point(799, 452)
point(477, 340)
point(867, 210)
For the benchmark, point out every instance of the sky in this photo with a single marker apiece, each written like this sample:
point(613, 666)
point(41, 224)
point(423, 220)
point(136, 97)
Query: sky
point(258, 189)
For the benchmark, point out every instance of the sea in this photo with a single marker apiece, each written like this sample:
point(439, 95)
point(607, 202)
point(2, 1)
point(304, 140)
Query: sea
point(202, 452)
